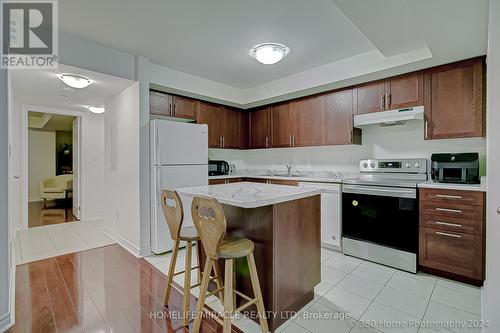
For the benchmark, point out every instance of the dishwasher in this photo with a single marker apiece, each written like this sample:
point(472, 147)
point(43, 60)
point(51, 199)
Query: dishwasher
point(331, 213)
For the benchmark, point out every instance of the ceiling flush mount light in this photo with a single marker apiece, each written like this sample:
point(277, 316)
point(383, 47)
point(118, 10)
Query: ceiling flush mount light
point(96, 108)
point(269, 53)
point(75, 81)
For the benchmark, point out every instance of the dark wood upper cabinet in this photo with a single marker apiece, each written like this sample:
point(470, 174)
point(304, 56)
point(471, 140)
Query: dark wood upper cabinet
point(338, 122)
point(229, 127)
point(159, 103)
point(183, 107)
point(283, 125)
point(208, 113)
point(370, 98)
point(307, 114)
point(404, 91)
point(454, 100)
point(163, 104)
point(260, 128)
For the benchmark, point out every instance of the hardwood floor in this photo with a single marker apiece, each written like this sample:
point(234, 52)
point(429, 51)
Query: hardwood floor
point(53, 214)
point(99, 290)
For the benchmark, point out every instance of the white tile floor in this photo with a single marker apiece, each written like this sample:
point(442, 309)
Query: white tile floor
point(377, 299)
point(53, 240)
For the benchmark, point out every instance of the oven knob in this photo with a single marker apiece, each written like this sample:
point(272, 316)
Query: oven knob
point(407, 165)
point(417, 165)
point(372, 165)
point(365, 165)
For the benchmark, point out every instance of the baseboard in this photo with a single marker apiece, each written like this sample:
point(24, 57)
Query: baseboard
point(38, 200)
point(484, 314)
point(7, 320)
point(134, 250)
point(331, 247)
point(95, 219)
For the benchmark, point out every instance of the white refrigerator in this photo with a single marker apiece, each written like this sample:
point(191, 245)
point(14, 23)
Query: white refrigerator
point(179, 158)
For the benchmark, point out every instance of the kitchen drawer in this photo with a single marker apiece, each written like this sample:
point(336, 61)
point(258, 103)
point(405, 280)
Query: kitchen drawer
point(451, 252)
point(452, 196)
point(446, 209)
point(452, 224)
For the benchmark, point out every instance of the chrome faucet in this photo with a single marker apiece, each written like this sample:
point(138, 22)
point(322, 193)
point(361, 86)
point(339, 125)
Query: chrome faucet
point(288, 168)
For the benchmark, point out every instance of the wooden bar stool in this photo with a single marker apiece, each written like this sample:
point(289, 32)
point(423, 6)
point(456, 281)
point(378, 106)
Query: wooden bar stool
point(174, 215)
point(210, 222)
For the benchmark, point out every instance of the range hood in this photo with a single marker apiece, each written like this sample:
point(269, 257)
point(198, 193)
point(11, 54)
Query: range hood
point(390, 118)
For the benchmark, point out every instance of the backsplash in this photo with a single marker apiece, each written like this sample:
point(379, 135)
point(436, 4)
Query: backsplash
point(404, 141)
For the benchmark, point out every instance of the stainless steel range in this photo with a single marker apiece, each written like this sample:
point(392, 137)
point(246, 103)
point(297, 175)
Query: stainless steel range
point(380, 212)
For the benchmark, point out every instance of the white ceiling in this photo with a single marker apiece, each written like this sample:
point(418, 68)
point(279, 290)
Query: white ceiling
point(44, 88)
point(211, 39)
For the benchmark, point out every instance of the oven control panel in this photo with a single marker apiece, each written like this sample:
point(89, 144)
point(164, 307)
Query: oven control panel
point(414, 165)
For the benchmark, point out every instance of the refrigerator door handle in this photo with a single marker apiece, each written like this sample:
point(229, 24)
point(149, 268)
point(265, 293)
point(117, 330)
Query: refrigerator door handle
point(158, 184)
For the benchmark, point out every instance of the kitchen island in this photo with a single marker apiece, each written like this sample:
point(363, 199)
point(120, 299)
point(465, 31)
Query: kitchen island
point(284, 223)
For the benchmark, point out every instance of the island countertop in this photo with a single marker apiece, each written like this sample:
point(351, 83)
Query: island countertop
point(250, 195)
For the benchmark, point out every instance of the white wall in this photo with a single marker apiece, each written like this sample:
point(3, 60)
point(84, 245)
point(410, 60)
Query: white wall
point(5, 239)
point(122, 219)
point(41, 160)
point(406, 141)
point(492, 293)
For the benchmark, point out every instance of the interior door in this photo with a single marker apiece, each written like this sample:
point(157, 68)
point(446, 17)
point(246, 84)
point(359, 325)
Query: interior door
point(76, 168)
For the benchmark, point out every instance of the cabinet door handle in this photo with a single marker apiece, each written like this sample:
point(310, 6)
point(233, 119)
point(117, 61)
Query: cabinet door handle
point(220, 141)
point(382, 102)
point(448, 210)
point(267, 142)
point(426, 129)
point(290, 140)
point(448, 224)
point(223, 142)
point(173, 110)
point(388, 101)
point(445, 196)
point(169, 109)
point(293, 139)
point(447, 234)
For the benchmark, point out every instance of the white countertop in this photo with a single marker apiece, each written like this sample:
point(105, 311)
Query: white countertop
point(297, 178)
point(451, 186)
point(250, 195)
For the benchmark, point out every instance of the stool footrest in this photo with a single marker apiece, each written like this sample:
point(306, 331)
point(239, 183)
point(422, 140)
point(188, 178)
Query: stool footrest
point(214, 292)
point(246, 305)
point(242, 295)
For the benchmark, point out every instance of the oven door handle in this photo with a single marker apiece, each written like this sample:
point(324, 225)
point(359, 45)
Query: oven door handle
point(381, 191)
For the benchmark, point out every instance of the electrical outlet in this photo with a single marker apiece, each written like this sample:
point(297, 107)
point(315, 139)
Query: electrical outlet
point(232, 169)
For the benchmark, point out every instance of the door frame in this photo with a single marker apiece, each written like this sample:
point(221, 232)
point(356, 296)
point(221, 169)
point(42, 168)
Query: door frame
point(24, 163)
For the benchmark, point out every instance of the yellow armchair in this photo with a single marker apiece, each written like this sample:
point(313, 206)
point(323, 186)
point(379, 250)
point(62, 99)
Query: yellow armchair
point(58, 187)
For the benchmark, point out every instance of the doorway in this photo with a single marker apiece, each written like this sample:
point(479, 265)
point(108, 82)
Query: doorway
point(53, 164)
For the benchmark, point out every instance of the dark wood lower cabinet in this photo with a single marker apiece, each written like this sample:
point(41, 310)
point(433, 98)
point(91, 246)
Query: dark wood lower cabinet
point(455, 253)
point(451, 236)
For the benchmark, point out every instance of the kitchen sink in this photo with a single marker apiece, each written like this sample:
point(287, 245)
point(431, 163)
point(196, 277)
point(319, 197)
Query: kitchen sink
point(286, 175)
